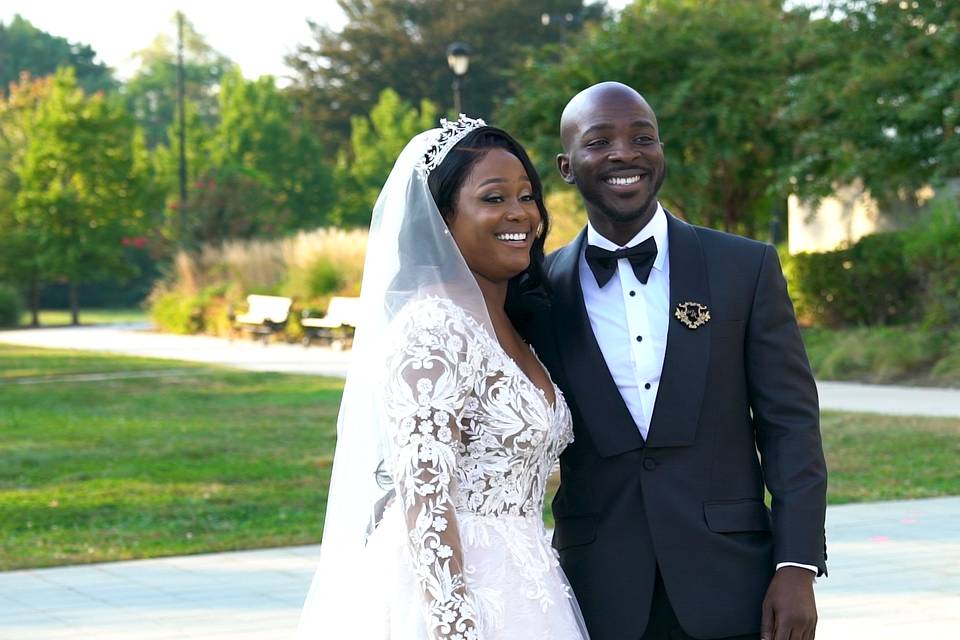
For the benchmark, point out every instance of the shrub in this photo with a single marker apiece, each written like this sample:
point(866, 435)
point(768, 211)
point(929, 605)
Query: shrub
point(176, 312)
point(877, 354)
point(342, 251)
point(947, 369)
point(10, 307)
point(868, 283)
point(315, 282)
point(218, 310)
point(933, 252)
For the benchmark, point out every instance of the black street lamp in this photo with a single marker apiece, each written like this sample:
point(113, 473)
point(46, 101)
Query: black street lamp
point(458, 59)
point(565, 21)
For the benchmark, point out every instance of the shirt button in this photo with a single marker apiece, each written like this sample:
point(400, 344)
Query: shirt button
point(633, 293)
point(646, 386)
point(639, 338)
point(649, 464)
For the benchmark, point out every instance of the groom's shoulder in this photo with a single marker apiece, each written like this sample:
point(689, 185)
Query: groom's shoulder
point(551, 258)
point(730, 246)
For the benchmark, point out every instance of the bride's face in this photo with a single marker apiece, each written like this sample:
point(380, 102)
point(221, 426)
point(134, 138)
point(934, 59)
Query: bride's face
point(495, 217)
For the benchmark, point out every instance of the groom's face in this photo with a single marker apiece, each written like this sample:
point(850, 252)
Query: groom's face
point(614, 156)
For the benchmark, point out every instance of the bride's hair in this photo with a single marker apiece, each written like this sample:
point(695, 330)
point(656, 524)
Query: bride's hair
point(446, 180)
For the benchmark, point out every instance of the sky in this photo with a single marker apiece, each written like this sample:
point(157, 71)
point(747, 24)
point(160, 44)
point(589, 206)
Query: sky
point(253, 33)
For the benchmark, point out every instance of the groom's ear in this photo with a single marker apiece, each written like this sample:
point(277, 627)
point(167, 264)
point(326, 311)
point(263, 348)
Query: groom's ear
point(563, 164)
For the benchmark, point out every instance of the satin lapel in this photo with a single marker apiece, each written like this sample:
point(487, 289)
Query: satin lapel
point(594, 392)
point(683, 379)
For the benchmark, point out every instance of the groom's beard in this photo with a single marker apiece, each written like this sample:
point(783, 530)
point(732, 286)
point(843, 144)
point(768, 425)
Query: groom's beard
point(646, 209)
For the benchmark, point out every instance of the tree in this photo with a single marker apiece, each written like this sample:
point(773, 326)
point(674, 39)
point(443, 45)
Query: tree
point(81, 184)
point(263, 141)
point(26, 49)
point(876, 98)
point(19, 235)
point(714, 72)
point(342, 73)
point(151, 92)
point(375, 143)
point(258, 171)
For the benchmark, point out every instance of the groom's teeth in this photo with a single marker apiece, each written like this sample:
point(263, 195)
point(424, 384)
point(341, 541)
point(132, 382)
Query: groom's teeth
point(511, 236)
point(623, 181)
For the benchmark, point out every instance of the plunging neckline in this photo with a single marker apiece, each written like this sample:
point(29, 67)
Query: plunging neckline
point(551, 406)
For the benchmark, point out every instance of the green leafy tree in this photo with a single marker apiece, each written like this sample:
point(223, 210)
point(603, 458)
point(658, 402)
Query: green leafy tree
point(263, 152)
point(375, 143)
point(81, 185)
point(151, 93)
point(877, 98)
point(26, 49)
point(342, 73)
point(259, 171)
point(20, 264)
point(714, 72)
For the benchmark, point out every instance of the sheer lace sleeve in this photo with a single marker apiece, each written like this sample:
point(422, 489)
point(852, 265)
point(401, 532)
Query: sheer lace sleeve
point(429, 381)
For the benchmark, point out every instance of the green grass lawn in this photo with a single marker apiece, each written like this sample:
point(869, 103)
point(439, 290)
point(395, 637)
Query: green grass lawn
point(57, 317)
point(209, 460)
point(873, 458)
point(213, 459)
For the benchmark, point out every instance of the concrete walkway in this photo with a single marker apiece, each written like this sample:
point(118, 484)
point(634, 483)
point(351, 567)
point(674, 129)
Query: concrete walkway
point(136, 340)
point(894, 573)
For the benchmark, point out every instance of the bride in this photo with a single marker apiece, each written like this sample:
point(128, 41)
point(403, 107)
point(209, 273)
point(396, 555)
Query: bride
point(449, 424)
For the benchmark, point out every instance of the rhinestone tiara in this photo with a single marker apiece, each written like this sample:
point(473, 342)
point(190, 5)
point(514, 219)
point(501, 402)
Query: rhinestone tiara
point(450, 134)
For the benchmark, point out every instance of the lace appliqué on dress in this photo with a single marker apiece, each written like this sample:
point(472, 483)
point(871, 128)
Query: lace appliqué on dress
point(473, 444)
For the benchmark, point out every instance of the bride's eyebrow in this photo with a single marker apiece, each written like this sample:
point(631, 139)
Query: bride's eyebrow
point(497, 180)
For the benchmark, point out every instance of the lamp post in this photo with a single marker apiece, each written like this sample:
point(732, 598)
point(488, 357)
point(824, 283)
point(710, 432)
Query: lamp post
point(458, 59)
point(182, 133)
point(565, 21)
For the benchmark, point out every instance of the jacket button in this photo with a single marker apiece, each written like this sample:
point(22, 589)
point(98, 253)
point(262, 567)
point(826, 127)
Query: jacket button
point(649, 464)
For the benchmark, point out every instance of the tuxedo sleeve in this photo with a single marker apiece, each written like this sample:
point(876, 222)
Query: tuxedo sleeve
point(786, 415)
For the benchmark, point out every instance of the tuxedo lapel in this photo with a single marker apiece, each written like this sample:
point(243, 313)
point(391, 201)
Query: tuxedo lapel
point(592, 388)
point(676, 411)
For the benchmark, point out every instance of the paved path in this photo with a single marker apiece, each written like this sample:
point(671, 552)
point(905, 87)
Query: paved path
point(135, 340)
point(894, 573)
point(889, 399)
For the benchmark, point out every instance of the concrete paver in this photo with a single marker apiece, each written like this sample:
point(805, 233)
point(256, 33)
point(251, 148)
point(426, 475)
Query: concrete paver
point(894, 571)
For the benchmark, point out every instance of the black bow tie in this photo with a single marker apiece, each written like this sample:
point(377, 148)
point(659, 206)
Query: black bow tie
point(603, 263)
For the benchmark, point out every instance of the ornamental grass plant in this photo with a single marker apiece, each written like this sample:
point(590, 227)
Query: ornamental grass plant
point(205, 289)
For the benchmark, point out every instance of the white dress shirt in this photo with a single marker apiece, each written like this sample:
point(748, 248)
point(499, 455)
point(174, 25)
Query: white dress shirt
point(626, 312)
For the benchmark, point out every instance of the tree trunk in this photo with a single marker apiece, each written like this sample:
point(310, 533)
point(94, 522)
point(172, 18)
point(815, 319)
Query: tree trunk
point(34, 303)
point(730, 217)
point(74, 304)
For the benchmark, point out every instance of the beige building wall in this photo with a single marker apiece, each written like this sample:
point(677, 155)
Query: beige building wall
point(845, 217)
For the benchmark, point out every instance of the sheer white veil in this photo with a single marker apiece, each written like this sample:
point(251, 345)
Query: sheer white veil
point(410, 254)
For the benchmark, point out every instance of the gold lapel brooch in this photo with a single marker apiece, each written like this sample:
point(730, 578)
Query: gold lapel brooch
point(693, 315)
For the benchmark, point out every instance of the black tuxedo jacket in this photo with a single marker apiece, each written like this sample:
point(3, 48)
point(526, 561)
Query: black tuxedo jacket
point(736, 411)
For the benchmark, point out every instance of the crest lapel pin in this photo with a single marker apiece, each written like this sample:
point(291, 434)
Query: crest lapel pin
point(692, 315)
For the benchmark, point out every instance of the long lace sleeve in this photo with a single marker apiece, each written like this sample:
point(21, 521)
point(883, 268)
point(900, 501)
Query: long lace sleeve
point(427, 388)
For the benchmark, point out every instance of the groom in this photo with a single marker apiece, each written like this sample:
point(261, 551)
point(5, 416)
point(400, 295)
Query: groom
point(678, 351)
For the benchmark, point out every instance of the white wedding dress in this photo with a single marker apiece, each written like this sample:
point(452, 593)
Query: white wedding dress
point(461, 551)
